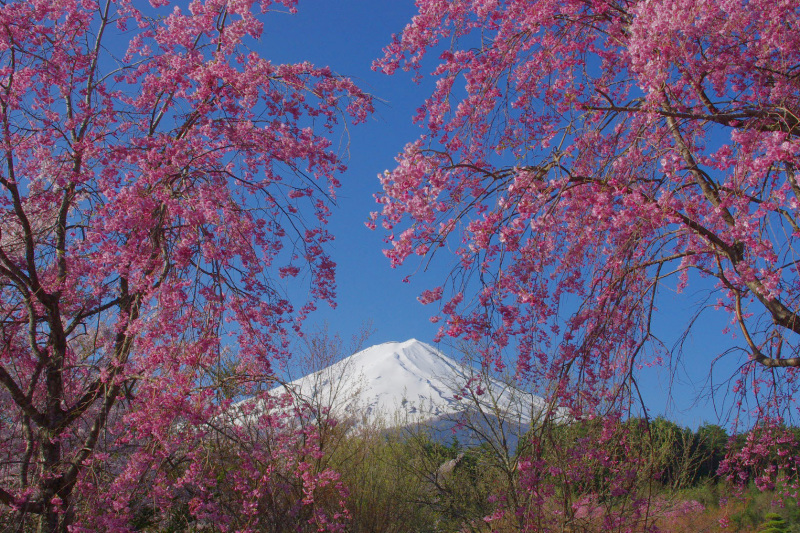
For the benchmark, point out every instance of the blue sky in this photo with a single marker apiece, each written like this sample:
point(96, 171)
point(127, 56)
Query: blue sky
point(347, 35)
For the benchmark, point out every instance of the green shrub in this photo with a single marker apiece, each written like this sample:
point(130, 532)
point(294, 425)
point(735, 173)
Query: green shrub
point(773, 523)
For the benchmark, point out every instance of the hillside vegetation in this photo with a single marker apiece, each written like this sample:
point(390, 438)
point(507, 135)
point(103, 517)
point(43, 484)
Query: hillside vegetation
point(598, 475)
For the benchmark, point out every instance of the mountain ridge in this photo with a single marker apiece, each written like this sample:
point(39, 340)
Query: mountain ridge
point(408, 382)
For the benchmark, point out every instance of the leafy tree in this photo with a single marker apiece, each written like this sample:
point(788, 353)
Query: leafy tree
point(159, 180)
point(712, 443)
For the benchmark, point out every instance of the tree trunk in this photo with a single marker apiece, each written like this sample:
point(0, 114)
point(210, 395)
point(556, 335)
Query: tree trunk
point(54, 517)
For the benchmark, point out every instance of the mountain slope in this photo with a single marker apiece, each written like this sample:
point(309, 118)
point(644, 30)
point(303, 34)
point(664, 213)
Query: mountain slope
point(409, 382)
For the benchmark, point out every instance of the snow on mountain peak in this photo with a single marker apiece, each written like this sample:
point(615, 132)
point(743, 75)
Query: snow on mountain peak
point(403, 382)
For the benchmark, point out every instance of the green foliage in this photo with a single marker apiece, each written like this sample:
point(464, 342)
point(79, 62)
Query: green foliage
point(711, 441)
point(393, 484)
point(749, 509)
point(397, 488)
point(379, 471)
point(707, 492)
point(773, 523)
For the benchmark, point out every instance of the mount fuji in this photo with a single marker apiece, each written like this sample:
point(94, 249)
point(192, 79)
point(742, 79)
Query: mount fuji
point(404, 383)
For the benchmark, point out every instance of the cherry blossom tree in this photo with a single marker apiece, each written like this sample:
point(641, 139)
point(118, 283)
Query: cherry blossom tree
point(161, 183)
point(583, 159)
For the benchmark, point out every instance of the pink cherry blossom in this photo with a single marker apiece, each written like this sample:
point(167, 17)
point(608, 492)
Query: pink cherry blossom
point(158, 180)
point(583, 160)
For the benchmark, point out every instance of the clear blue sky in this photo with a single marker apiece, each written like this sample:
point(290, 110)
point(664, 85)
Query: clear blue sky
point(347, 35)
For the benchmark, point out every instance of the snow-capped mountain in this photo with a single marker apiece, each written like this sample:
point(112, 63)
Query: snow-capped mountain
point(410, 382)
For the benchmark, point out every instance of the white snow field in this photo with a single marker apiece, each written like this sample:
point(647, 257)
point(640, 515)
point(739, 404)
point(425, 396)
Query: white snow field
point(403, 383)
